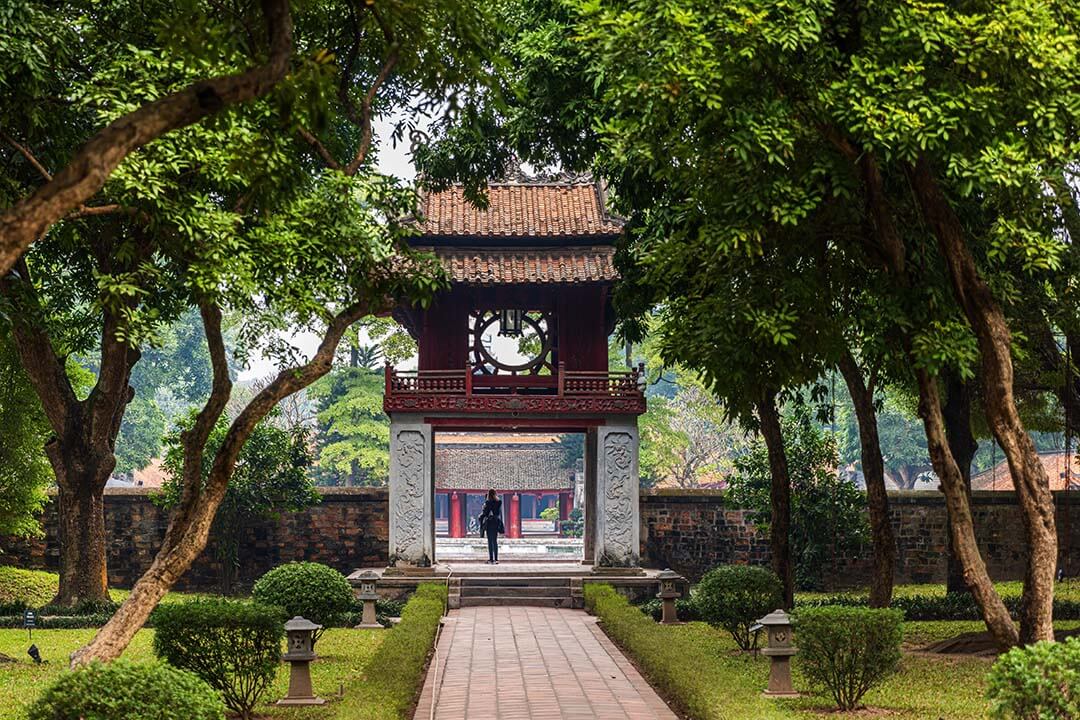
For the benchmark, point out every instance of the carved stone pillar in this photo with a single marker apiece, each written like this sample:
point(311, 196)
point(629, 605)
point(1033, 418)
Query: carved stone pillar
point(589, 534)
point(412, 494)
point(617, 524)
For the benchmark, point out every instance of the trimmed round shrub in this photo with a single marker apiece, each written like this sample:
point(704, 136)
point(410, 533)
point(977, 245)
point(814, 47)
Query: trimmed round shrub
point(311, 590)
point(735, 597)
point(122, 689)
point(1037, 682)
point(848, 650)
point(233, 645)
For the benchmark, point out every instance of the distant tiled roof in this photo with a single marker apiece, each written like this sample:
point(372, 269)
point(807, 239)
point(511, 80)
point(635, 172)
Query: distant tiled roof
point(999, 478)
point(495, 266)
point(520, 211)
point(502, 468)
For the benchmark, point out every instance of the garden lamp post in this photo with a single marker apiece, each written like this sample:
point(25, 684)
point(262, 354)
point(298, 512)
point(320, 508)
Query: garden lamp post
point(299, 652)
point(779, 652)
point(669, 592)
point(368, 596)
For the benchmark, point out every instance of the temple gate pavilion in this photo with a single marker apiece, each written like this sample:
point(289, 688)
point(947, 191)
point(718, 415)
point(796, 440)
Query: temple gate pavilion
point(532, 273)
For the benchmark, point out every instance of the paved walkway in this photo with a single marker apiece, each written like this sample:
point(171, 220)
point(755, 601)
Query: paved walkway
point(531, 663)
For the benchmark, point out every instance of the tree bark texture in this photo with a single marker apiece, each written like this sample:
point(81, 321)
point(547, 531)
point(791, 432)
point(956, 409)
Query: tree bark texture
point(90, 167)
point(956, 413)
point(994, 339)
point(779, 496)
point(885, 245)
point(189, 527)
point(961, 526)
point(81, 450)
point(873, 467)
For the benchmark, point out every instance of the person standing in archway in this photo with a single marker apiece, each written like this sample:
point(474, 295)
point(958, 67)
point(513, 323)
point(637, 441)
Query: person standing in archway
point(491, 524)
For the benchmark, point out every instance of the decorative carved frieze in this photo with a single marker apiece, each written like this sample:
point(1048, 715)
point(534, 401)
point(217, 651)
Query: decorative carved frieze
point(515, 403)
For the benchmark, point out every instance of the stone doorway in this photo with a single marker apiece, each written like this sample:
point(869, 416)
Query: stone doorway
point(609, 488)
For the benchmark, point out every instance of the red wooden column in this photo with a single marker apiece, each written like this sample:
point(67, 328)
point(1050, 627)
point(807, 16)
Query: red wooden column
point(514, 531)
point(566, 505)
point(456, 530)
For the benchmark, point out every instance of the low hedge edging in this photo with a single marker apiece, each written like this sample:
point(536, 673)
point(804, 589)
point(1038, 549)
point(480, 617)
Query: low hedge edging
point(397, 668)
point(951, 606)
point(673, 668)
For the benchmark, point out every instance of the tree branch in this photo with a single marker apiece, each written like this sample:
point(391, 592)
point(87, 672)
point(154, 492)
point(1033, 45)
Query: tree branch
point(315, 143)
point(25, 152)
point(366, 106)
point(91, 166)
point(45, 370)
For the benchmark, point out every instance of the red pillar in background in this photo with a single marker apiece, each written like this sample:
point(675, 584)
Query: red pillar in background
point(566, 505)
point(456, 531)
point(514, 531)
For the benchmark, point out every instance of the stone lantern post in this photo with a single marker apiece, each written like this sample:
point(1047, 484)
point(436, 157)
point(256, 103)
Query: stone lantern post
point(779, 652)
point(368, 596)
point(669, 592)
point(299, 652)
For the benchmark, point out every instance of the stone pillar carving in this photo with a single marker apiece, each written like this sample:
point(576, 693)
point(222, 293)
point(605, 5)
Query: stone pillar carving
point(617, 514)
point(589, 535)
point(412, 494)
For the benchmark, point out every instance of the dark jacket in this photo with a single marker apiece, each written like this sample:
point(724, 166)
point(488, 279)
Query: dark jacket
point(492, 512)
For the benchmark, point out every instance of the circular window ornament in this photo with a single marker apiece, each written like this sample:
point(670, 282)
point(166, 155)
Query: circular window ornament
point(533, 325)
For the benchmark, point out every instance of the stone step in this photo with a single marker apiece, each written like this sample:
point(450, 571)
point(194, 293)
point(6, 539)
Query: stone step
point(515, 582)
point(515, 591)
point(503, 600)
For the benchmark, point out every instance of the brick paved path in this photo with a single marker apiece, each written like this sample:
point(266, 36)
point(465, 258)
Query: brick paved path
point(531, 663)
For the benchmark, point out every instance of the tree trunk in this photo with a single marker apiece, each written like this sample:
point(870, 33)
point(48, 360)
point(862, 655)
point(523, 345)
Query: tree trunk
point(994, 339)
point(189, 527)
point(81, 530)
point(961, 526)
point(957, 416)
point(873, 466)
point(780, 496)
point(890, 249)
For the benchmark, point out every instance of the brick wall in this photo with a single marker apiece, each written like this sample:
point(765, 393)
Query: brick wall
point(347, 530)
point(689, 531)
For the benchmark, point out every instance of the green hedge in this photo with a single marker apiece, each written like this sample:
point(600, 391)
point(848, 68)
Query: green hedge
point(673, 668)
point(233, 645)
point(122, 689)
point(1038, 682)
point(951, 606)
point(848, 650)
point(397, 668)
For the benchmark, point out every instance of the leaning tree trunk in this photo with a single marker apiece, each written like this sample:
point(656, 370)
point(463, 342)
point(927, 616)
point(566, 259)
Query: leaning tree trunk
point(189, 527)
point(888, 247)
point(780, 496)
point(81, 529)
point(957, 416)
point(994, 340)
point(873, 466)
point(961, 526)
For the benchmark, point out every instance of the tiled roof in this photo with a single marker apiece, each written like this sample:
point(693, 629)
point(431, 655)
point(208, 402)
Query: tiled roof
point(495, 266)
point(502, 468)
point(520, 211)
point(999, 478)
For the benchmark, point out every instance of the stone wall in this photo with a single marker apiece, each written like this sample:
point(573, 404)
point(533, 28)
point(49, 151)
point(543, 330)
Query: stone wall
point(347, 530)
point(689, 531)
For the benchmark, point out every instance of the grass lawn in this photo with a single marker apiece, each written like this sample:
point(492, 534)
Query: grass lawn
point(702, 672)
point(344, 656)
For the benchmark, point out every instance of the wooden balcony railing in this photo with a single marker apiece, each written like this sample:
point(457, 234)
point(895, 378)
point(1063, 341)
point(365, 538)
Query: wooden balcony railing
point(563, 383)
